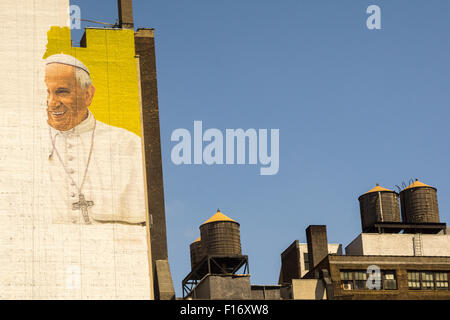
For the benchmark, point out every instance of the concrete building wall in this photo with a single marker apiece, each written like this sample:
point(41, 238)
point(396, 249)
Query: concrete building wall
point(436, 245)
point(222, 287)
point(333, 248)
point(290, 263)
point(316, 237)
point(261, 292)
point(308, 289)
point(400, 245)
point(145, 49)
point(230, 287)
point(294, 260)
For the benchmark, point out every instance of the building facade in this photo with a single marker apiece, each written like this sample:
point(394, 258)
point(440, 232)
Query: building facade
point(385, 277)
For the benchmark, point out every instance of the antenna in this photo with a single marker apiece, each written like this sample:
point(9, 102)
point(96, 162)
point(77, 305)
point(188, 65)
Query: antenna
point(404, 185)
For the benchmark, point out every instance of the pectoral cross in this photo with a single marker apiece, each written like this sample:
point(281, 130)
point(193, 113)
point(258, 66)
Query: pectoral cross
point(83, 205)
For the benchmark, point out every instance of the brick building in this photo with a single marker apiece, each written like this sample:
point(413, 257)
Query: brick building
point(390, 260)
point(407, 259)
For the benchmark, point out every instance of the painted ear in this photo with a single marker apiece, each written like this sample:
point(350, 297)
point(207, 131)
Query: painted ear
point(89, 95)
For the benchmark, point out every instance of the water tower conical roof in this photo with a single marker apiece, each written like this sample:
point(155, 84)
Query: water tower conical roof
point(377, 189)
point(417, 184)
point(218, 216)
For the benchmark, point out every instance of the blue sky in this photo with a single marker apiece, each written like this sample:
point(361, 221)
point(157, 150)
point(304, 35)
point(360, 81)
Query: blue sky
point(354, 107)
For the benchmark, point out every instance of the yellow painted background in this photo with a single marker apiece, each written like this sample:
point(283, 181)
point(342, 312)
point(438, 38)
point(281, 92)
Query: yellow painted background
point(110, 57)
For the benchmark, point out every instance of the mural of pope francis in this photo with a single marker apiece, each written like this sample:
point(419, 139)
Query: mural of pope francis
point(95, 169)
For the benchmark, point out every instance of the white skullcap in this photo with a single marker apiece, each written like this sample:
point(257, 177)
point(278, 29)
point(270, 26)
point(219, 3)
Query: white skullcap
point(68, 60)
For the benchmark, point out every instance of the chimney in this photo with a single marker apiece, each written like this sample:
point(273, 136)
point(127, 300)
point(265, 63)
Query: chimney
point(125, 14)
point(316, 236)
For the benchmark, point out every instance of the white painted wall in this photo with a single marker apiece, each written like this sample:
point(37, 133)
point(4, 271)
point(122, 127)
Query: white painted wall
point(40, 260)
point(399, 245)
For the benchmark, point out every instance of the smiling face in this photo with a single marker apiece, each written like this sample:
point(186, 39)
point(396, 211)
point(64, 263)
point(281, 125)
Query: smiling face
point(67, 101)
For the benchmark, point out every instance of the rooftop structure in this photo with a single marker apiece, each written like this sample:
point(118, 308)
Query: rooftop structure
point(381, 262)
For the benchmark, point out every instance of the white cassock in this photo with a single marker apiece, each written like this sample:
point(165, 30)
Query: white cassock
point(69, 259)
point(114, 179)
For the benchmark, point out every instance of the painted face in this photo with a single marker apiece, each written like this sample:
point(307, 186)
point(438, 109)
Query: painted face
point(67, 102)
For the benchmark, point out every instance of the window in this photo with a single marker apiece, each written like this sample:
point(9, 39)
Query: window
point(389, 281)
point(414, 280)
point(347, 280)
point(441, 280)
point(306, 260)
point(357, 280)
point(360, 279)
point(428, 280)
